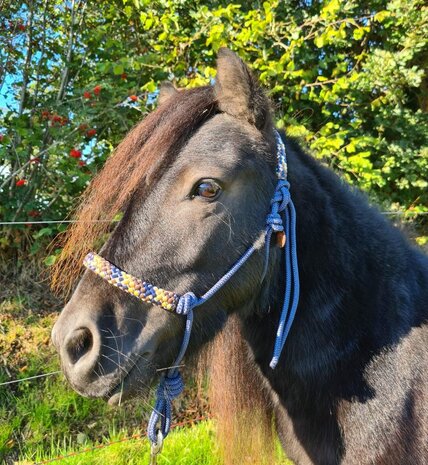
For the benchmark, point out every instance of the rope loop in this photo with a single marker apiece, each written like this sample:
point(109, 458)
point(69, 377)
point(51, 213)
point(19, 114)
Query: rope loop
point(170, 387)
point(281, 198)
point(186, 303)
point(282, 194)
point(274, 220)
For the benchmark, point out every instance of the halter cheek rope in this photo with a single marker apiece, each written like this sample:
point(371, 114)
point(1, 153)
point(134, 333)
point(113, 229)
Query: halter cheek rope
point(171, 385)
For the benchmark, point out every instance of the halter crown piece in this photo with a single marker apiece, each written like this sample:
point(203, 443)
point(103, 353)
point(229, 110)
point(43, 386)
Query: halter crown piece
point(171, 384)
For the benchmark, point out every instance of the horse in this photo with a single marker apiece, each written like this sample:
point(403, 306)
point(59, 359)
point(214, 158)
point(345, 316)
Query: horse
point(194, 181)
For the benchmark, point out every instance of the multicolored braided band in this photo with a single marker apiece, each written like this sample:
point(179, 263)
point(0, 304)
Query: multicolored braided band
point(128, 283)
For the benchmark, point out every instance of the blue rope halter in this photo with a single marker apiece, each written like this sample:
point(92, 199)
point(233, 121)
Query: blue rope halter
point(171, 384)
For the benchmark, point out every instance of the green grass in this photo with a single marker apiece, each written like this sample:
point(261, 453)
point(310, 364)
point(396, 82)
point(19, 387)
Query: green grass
point(184, 446)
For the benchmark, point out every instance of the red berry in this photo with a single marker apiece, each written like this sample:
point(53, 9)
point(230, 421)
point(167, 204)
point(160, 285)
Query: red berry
point(45, 114)
point(21, 182)
point(35, 160)
point(21, 27)
point(87, 94)
point(82, 163)
point(134, 98)
point(91, 132)
point(97, 90)
point(123, 76)
point(34, 213)
point(75, 153)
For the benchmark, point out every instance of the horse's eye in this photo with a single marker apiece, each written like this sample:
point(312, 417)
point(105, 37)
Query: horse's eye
point(208, 189)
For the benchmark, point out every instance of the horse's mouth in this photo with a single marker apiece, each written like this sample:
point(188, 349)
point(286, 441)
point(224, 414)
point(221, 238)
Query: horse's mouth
point(135, 383)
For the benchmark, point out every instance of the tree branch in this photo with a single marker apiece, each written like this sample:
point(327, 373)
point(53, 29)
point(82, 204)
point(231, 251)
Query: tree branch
point(64, 78)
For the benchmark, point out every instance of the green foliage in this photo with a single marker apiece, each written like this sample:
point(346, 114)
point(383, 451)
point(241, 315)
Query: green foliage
point(347, 77)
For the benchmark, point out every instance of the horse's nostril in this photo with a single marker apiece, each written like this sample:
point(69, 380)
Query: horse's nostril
point(80, 343)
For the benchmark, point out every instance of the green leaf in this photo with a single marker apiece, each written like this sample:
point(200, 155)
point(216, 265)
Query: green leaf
point(118, 69)
point(50, 260)
point(331, 9)
point(320, 40)
point(380, 16)
point(359, 33)
point(43, 232)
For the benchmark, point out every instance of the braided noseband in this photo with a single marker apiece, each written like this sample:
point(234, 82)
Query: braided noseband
point(134, 286)
point(171, 384)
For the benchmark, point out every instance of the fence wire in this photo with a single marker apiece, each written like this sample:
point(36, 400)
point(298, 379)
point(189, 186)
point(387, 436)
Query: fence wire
point(11, 223)
point(21, 380)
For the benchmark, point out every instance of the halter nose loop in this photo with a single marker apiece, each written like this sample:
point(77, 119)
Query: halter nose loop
point(186, 303)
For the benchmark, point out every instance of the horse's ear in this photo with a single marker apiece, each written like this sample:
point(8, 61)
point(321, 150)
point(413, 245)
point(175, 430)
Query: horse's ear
point(166, 91)
point(238, 92)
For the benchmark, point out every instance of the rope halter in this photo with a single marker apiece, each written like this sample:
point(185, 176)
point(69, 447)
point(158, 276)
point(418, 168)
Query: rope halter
point(281, 219)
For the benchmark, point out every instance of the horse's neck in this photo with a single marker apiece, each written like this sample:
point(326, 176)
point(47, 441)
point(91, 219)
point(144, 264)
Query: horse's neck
point(349, 259)
point(362, 290)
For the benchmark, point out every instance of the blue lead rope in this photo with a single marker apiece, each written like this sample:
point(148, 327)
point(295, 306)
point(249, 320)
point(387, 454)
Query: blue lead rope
point(171, 385)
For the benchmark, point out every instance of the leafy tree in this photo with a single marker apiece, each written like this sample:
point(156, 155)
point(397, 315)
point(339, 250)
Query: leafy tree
point(347, 77)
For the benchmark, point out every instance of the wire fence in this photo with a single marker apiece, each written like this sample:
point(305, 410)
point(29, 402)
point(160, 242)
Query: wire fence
point(29, 378)
point(11, 223)
point(52, 373)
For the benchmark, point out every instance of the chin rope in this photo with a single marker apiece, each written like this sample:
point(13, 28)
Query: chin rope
point(171, 384)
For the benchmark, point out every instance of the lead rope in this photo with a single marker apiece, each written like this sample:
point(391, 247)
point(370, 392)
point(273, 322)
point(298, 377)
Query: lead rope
point(171, 385)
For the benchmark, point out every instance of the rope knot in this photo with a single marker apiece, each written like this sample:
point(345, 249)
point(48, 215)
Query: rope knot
point(279, 202)
point(282, 194)
point(186, 303)
point(274, 220)
point(171, 386)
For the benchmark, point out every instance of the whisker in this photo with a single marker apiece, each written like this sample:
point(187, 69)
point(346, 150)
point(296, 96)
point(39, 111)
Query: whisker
point(117, 346)
point(133, 361)
point(172, 366)
point(112, 337)
point(113, 361)
point(229, 217)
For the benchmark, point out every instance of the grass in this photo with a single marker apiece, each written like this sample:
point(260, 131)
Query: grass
point(184, 446)
point(43, 419)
